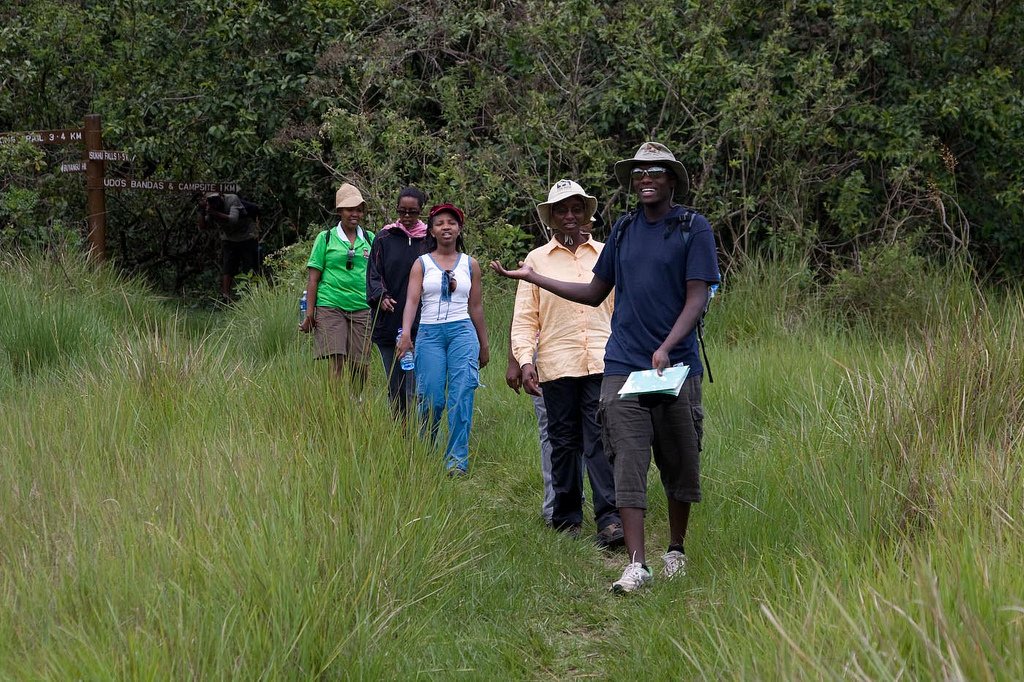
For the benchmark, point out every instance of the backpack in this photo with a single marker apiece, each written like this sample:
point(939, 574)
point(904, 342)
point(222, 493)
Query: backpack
point(680, 223)
point(251, 209)
point(247, 214)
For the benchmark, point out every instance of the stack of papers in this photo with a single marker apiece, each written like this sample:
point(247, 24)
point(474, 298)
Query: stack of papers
point(648, 382)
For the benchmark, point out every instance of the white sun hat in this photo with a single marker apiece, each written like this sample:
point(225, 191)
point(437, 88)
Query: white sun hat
point(561, 190)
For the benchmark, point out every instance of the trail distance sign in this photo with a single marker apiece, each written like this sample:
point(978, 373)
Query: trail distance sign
point(171, 185)
point(69, 136)
point(108, 155)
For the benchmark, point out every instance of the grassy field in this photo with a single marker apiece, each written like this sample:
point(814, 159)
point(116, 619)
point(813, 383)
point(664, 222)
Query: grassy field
point(182, 495)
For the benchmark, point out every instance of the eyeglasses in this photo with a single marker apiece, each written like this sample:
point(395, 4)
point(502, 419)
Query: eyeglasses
point(654, 172)
point(409, 213)
point(351, 255)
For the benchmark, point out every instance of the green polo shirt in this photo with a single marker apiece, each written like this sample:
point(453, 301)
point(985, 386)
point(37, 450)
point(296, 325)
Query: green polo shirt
point(341, 287)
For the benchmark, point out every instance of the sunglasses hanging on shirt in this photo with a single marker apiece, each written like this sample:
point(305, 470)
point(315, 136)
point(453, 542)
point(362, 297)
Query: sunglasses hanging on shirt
point(448, 284)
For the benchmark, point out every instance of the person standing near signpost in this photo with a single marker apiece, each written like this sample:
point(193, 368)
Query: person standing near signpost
point(239, 236)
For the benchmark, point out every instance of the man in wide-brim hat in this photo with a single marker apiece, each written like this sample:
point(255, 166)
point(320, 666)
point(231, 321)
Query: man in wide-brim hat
point(560, 347)
point(661, 259)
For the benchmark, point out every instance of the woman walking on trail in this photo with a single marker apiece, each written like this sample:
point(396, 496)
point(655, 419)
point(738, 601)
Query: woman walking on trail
point(451, 343)
point(395, 249)
point(337, 311)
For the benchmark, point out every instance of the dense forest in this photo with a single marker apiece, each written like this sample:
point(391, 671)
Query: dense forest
point(859, 135)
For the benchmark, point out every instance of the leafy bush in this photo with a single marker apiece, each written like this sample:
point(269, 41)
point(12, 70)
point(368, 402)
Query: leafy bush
point(809, 128)
point(890, 287)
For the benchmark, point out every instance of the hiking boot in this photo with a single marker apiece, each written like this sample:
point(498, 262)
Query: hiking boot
point(675, 564)
point(633, 578)
point(573, 530)
point(610, 536)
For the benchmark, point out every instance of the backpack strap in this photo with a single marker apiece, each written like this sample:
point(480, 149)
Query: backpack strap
point(619, 231)
point(619, 228)
point(682, 223)
point(703, 347)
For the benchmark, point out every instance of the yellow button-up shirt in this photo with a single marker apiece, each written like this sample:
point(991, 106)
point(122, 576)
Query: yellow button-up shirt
point(568, 338)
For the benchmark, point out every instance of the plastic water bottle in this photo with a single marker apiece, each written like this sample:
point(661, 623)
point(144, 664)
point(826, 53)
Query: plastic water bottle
point(303, 307)
point(406, 362)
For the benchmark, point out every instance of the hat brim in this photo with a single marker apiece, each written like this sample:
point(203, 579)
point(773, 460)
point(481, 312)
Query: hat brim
point(624, 167)
point(348, 205)
point(435, 211)
point(544, 209)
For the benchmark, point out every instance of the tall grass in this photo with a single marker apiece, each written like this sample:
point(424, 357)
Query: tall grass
point(192, 498)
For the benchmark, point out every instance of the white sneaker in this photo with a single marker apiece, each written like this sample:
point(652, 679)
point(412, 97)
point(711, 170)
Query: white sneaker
point(675, 563)
point(633, 578)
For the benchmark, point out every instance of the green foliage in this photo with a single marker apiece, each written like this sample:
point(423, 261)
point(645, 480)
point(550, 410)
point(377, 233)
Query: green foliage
point(890, 286)
point(851, 210)
point(25, 221)
point(194, 91)
point(809, 128)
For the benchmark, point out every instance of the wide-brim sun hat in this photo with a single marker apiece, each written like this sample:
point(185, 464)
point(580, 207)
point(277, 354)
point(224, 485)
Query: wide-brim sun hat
point(648, 154)
point(560, 191)
point(450, 208)
point(348, 197)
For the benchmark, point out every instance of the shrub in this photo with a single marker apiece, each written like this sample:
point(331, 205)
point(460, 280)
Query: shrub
point(889, 287)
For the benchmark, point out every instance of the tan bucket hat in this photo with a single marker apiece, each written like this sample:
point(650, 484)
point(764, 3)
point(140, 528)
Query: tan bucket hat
point(649, 153)
point(347, 197)
point(563, 189)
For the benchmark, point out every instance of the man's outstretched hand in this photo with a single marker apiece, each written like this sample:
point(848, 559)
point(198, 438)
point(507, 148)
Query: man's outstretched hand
point(522, 272)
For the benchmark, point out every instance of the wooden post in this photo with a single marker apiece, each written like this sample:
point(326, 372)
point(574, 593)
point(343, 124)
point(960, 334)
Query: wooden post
point(96, 200)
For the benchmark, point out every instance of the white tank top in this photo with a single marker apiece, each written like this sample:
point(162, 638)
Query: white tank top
point(438, 309)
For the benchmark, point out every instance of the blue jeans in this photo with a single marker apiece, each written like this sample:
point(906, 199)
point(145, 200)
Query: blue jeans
point(447, 374)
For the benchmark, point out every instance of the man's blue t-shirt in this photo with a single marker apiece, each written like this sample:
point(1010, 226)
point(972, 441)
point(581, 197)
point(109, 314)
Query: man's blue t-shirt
point(649, 267)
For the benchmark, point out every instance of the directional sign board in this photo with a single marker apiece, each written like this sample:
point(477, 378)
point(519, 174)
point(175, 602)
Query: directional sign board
point(77, 167)
point(171, 185)
point(43, 137)
point(108, 155)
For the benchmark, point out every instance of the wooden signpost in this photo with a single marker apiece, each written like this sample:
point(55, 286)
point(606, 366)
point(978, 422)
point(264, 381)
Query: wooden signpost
point(94, 167)
point(95, 199)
